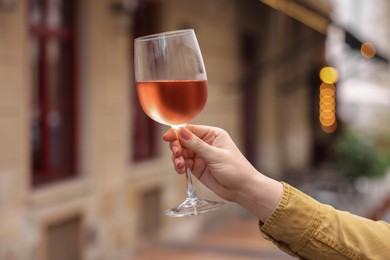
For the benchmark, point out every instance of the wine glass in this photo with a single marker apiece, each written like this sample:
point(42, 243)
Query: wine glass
point(172, 89)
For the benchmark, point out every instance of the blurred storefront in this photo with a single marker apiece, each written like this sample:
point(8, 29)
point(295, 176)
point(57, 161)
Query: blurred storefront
point(83, 173)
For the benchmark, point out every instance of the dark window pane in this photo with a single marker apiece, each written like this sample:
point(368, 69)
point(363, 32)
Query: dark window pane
point(60, 116)
point(36, 12)
point(53, 89)
point(144, 135)
point(37, 118)
point(144, 138)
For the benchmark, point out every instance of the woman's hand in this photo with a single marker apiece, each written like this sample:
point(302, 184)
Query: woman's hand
point(215, 160)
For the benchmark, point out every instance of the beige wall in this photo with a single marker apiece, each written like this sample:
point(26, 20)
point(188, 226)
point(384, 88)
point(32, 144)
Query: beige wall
point(284, 97)
point(14, 142)
point(286, 130)
point(105, 126)
point(215, 24)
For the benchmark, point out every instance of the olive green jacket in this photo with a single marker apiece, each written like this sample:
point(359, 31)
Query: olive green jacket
point(306, 228)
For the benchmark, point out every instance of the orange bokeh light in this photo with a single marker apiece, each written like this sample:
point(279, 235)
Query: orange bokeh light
point(327, 100)
point(328, 107)
point(327, 89)
point(331, 128)
point(327, 120)
point(368, 50)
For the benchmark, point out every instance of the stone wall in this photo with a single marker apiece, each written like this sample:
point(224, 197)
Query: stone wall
point(14, 142)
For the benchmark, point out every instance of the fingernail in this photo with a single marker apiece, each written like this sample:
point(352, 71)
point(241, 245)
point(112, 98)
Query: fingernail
point(185, 134)
point(175, 149)
point(177, 163)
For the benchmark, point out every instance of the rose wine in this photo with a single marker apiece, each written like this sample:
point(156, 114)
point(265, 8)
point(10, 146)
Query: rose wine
point(172, 102)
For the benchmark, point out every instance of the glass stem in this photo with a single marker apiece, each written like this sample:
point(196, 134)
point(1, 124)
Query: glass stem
point(191, 194)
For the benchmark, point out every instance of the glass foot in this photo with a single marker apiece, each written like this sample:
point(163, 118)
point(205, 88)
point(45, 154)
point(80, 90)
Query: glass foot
point(193, 206)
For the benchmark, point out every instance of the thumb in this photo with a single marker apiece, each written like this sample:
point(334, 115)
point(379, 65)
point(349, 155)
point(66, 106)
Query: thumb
point(194, 143)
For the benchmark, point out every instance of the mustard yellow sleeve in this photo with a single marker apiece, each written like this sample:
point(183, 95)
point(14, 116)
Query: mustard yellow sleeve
point(306, 228)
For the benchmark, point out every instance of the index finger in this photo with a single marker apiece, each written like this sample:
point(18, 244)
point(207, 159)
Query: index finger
point(170, 135)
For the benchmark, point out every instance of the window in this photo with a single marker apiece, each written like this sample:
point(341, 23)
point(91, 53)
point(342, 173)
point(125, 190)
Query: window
point(144, 138)
point(53, 122)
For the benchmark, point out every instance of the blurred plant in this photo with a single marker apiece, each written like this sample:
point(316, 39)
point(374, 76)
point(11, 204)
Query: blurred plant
point(358, 156)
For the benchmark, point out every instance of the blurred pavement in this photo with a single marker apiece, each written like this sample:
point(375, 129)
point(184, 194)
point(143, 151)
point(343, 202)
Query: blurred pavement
point(236, 239)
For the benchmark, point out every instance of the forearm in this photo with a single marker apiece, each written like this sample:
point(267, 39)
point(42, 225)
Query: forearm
point(260, 195)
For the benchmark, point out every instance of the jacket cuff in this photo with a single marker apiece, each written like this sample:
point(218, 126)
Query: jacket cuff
point(293, 222)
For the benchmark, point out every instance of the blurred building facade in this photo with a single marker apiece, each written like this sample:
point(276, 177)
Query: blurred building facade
point(83, 173)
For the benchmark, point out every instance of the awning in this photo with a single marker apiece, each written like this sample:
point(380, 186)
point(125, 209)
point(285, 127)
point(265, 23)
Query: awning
point(313, 13)
point(316, 14)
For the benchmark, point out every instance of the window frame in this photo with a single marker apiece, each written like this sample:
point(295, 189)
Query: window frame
point(144, 137)
point(64, 36)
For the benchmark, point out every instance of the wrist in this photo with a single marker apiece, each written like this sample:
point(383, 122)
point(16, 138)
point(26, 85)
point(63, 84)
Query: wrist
point(260, 195)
